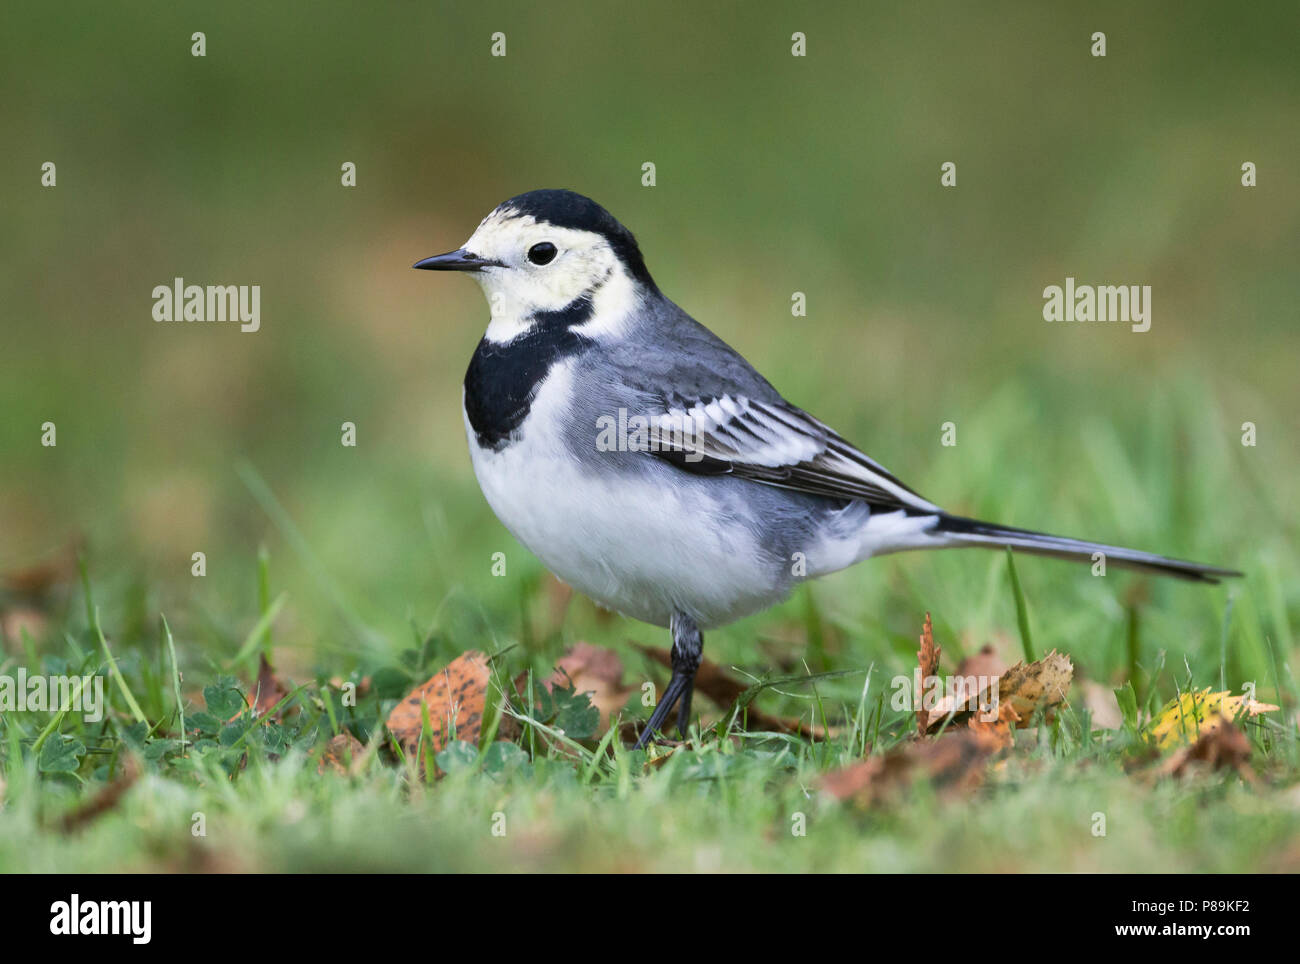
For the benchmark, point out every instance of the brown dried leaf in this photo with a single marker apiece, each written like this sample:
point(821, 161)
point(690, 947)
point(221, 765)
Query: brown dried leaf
point(36, 580)
point(268, 690)
point(1044, 682)
point(986, 662)
point(661, 750)
point(860, 782)
point(1222, 746)
point(928, 658)
point(964, 699)
point(595, 670)
point(455, 697)
point(997, 733)
point(363, 684)
point(19, 619)
point(341, 754)
point(104, 800)
point(954, 764)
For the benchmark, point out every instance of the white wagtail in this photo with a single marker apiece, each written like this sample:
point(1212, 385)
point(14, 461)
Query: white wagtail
point(730, 498)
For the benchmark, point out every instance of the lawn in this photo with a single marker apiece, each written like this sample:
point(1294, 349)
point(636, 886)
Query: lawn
point(730, 800)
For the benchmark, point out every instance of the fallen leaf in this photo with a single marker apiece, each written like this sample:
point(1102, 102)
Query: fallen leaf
point(986, 662)
point(1222, 745)
point(196, 857)
point(997, 733)
point(928, 658)
point(363, 685)
point(954, 764)
point(860, 782)
point(657, 759)
point(17, 619)
point(455, 697)
point(104, 800)
point(36, 580)
point(1190, 715)
point(1044, 683)
point(341, 754)
point(968, 694)
point(268, 690)
point(596, 671)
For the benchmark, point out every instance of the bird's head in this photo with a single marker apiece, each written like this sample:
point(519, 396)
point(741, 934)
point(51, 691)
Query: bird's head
point(549, 252)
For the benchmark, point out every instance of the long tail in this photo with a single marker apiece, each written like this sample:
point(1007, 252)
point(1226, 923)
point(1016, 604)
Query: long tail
point(970, 532)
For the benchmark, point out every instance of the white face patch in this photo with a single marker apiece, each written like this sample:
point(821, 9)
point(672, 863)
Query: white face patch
point(519, 289)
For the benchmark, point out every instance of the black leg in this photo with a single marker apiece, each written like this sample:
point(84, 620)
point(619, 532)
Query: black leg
point(684, 707)
point(688, 643)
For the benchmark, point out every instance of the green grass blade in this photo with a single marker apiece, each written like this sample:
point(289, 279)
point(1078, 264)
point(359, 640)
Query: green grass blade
point(259, 630)
point(92, 613)
point(176, 676)
point(1022, 613)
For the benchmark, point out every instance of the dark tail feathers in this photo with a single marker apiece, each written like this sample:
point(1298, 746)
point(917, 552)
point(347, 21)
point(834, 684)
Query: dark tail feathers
point(971, 532)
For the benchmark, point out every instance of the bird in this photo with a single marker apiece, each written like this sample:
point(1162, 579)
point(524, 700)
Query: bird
point(648, 465)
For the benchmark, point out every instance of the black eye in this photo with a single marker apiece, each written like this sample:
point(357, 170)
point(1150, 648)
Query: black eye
point(542, 253)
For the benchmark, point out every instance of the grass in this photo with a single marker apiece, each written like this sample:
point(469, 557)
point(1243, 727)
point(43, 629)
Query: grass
point(730, 802)
point(722, 807)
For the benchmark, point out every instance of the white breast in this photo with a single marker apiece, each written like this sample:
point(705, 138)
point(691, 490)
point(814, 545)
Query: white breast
point(631, 541)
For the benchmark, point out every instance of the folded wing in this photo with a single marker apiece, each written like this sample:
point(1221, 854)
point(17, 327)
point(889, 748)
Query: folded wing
point(776, 444)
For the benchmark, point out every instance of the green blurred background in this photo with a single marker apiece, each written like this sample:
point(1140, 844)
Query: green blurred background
point(775, 174)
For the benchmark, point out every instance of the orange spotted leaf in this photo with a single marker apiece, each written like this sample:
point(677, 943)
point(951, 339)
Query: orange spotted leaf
point(455, 698)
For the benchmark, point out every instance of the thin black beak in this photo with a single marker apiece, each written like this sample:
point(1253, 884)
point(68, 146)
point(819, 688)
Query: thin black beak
point(458, 260)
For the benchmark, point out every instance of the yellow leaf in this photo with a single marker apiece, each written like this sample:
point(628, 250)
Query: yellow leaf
point(1192, 715)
